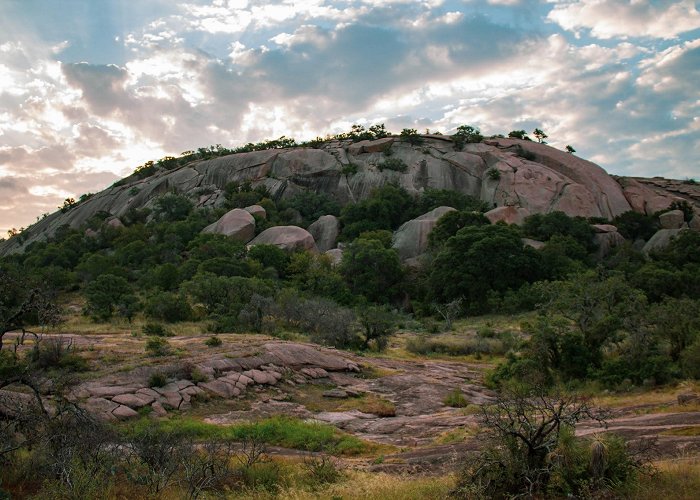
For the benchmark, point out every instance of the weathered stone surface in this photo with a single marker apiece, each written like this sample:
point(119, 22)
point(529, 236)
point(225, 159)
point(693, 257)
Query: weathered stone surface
point(158, 409)
point(687, 398)
point(644, 199)
point(325, 231)
point(256, 211)
point(108, 391)
point(147, 393)
point(132, 400)
point(114, 222)
point(124, 412)
point(335, 393)
point(288, 238)
point(377, 146)
point(261, 377)
point(302, 355)
point(671, 220)
point(509, 215)
point(604, 228)
point(411, 239)
point(99, 406)
point(661, 239)
point(218, 388)
point(237, 224)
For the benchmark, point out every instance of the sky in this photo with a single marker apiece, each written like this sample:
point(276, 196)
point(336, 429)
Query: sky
point(91, 89)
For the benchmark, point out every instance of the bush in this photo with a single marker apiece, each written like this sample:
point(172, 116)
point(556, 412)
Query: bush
point(156, 330)
point(493, 173)
point(456, 399)
point(168, 306)
point(349, 169)
point(157, 346)
point(411, 136)
point(395, 164)
point(466, 134)
point(322, 470)
point(157, 379)
point(213, 341)
point(57, 353)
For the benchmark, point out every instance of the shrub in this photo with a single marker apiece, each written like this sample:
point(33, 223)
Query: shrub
point(157, 379)
point(157, 346)
point(456, 399)
point(57, 353)
point(466, 134)
point(168, 306)
point(322, 470)
point(411, 136)
point(395, 164)
point(156, 330)
point(493, 173)
point(213, 341)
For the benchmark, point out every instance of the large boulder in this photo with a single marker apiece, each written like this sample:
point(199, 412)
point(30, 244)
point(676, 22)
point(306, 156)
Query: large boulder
point(672, 220)
point(509, 215)
point(694, 223)
point(325, 231)
point(288, 238)
point(411, 239)
point(607, 241)
point(238, 224)
point(661, 239)
point(336, 256)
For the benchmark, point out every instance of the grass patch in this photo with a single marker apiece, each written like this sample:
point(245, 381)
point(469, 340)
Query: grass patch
point(276, 431)
point(456, 399)
point(458, 435)
point(677, 479)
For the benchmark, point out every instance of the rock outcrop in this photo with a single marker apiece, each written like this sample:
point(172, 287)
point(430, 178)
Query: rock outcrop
point(411, 239)
point(288, 238)
point(509, 215)
point(238, 224)
point(504, 172)
point(661, 239)
point(672, 220)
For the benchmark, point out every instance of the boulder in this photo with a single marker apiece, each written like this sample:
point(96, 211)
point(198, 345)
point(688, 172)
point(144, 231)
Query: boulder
point(537, 245)
point(411, 239)
point(376, 146)
point(672, 220)
point(238, 224)
point(607, 241)
point(325, 231)
point(123, 412)
point(114, 222)
point(256, 211)
point(604, 228)
point(661, 239)
point(288, 238)
point(509, 215)
point(336, 256)
point(132, 400)
point(688, 397)
point(694, 223)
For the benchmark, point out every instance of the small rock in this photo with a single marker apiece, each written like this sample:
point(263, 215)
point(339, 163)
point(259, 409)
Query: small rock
point(123, 412)
point(158, 409)
point(336, 393)
point(132, 400)
point(684, 399)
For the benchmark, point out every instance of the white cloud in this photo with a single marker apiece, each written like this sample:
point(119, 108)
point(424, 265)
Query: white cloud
point(627, 18)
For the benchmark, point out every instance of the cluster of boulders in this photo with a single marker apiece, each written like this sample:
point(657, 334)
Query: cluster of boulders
point(219, 377)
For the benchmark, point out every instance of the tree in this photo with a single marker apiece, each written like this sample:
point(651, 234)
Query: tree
point(570, 149)
point(524, 435)
point(23, 303)
point(371, 270)
point(411, 136)
point(104, 295)
point(518, 134)
point(377, 326)
point(449, 311)
point(466, 134)
point(172, 207)
point(539, 135)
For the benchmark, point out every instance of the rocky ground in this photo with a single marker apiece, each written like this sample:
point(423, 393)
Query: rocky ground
point(398, 404)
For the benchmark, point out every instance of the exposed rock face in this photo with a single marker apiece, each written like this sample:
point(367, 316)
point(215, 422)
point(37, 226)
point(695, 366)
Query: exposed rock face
point(288, 238)
point(536, 244)
point(325, 231)
point(336, 255)
point(237, 224)
point(411, 239)
point(694, 223)
point(532, 177)
point(509, 215)
point(671, 220)
point(661, 239)
point(604, 228)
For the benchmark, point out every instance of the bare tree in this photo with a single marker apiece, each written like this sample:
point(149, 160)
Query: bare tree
point(205, 467)
point(449, 311)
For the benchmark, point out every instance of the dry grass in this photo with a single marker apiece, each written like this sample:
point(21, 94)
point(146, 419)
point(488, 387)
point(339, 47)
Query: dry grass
point(311, 396)
point(366, 486)
point(658, 400)
point(458, 435)
point(676, 479)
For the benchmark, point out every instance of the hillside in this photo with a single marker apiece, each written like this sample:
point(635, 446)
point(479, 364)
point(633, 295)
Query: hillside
point(531, 177)
point(386, 317)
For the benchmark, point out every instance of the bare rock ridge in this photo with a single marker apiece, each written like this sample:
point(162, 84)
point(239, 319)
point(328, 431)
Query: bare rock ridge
point(515, 177)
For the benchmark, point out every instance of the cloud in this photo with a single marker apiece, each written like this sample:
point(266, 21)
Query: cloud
point(630, 18)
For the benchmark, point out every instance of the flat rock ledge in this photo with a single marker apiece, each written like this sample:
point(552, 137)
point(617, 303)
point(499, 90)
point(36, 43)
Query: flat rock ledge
point(225, 378)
